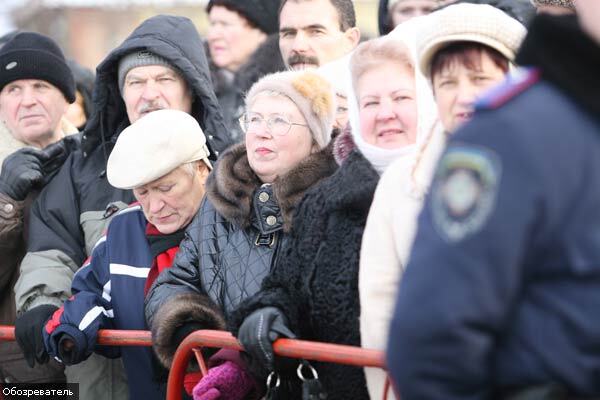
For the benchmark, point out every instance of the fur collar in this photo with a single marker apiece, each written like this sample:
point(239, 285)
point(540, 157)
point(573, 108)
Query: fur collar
point(343, 145)
point(567, 57)
point(231, 186)
point(8, 143)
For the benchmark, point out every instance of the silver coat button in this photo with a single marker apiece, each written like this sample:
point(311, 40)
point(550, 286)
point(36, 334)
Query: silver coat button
point(271, 220)
point(8, 207)
point(263, 197)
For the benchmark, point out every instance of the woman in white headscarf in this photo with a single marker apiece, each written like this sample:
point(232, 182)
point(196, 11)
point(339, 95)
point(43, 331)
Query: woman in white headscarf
point(379, 252)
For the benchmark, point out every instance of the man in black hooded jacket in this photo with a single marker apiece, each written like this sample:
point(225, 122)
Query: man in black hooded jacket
point(160, 65)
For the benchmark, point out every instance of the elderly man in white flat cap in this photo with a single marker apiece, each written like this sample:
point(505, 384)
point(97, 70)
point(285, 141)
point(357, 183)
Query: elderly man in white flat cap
point(163, 157)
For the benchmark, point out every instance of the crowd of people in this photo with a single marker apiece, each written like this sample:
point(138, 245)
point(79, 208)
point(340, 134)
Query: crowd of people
point(426, 193)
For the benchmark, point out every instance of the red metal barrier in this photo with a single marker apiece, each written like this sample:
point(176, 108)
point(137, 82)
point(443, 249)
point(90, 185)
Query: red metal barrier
point(313, 351)
point(106, 337)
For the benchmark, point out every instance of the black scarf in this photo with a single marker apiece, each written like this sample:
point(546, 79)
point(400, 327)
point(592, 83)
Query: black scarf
point(160, 243)
point(566, 56)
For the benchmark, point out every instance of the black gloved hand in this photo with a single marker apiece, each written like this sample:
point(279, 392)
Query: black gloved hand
point(21, 171)
point(28, 330)
point(258, 332)
point(68, 351)
point(56, 154)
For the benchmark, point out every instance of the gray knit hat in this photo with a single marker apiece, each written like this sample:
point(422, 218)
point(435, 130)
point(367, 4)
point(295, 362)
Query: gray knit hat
point(559, 3)
point(139, 59)
point(310, 92)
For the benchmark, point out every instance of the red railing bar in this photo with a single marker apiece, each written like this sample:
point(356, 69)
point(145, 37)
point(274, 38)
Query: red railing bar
point(106, 337)
point(7, 333)
point(313, 351)
point(113, 337)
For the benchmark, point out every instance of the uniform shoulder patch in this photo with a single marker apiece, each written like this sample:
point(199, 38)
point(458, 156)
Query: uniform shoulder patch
point(463, 194)
point(516, 82)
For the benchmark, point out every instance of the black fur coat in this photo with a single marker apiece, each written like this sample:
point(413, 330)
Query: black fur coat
point(315, 282)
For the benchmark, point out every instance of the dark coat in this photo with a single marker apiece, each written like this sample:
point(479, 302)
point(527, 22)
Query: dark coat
point(231, 93)
point(315, 283)
point(503, 286)
point(14, 216)
point(231, 245)
point(119, 293)
point(72, 212)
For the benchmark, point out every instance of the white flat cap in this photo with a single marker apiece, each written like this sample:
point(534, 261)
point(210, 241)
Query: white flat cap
point(153, 146)
point(480, 23)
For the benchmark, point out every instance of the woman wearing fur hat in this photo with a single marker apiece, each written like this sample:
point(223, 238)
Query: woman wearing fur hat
point(236, 238)
point(163, 157)
point(313, 292)
point(461, 60)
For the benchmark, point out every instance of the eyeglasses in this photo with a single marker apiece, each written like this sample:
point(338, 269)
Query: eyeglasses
point(276, 124)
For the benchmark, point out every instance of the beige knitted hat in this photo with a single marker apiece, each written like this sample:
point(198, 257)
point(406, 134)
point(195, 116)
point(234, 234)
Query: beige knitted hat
point(559, 3)
point(480, 23)
point(310, 92)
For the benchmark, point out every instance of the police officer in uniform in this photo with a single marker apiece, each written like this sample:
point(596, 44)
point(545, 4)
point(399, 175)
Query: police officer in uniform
point(501, 295)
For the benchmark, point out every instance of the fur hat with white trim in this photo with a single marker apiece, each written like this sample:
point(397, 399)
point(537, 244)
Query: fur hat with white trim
point(310, 92)
point(479, 23)
point(153, 146)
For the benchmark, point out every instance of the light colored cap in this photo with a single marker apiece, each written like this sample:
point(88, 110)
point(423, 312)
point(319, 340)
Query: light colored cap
point(559, 3)
point(479, 23)
point(153, 146)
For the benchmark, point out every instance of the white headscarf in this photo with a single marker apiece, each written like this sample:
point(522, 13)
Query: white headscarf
point(426, 108)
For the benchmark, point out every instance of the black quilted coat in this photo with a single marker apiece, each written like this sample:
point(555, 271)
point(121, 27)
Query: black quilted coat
point(315, 282)
point(230, 246)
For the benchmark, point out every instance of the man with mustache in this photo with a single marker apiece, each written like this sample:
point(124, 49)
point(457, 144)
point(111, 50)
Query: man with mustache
point(36, 87)
point(315, 32)
point(160, 65)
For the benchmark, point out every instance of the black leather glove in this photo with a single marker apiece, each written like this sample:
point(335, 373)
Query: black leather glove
point(28, 330)
point(68, 351)
point(258, 332)
point(21, 171)
point(56, 154)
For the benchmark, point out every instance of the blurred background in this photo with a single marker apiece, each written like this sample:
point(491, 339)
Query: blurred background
point(88, 29)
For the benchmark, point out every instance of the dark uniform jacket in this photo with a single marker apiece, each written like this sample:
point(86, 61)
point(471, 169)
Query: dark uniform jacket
point(72, 212)
point(315, 283)
point(230, 246)
point(503, 284)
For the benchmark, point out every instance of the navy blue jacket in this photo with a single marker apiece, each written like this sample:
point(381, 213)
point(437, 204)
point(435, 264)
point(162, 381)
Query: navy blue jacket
point(109, 294)
point(503, 285)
